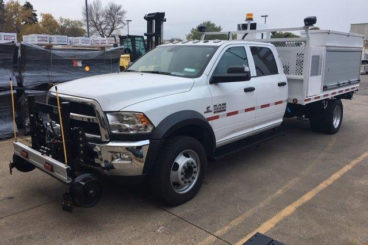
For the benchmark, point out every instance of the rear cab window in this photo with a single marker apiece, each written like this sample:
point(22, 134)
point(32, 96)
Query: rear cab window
point(264, 61)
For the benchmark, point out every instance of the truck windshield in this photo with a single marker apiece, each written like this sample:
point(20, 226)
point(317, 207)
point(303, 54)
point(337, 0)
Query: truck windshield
point(184, 61)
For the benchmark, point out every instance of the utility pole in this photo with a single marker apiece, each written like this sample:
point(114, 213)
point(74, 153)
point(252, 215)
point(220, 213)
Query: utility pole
point(87, 18)
point(265, 18)
point(265, 21)
point(128, 21)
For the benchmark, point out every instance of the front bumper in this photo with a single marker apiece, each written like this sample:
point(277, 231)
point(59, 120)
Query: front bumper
point(122, 158)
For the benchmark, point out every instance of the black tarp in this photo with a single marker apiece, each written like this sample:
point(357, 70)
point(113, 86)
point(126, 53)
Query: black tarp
point(6, 121)
point(47, 66)
point(8, 60)
point(39, 68)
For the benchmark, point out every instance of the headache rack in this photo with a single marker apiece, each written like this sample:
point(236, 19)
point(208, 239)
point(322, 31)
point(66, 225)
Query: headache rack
point(318, 63)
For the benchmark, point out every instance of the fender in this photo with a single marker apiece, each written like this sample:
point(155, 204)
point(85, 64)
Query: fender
point(179, 120)
point(169, 125)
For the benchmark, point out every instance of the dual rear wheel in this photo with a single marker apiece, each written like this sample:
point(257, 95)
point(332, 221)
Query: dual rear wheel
point(327, 116)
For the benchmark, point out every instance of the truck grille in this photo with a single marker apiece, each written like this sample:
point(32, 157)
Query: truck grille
point(84, 115)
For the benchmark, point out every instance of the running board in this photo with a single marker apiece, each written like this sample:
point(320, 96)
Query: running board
point(243, 144)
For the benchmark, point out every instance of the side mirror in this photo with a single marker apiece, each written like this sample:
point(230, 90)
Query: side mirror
point(234, 74)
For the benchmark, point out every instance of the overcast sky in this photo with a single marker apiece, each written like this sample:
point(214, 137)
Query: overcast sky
point(184, 14)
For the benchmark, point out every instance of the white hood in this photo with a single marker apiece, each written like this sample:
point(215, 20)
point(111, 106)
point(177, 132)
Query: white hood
point(114, 92)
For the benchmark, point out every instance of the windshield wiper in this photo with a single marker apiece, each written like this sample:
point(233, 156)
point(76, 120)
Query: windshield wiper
point(158, 72)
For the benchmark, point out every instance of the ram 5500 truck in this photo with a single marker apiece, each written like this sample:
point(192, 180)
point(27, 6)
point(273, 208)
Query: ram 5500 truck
point(180, 104)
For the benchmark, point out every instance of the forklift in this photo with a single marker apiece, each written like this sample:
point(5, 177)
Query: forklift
point(136, 46)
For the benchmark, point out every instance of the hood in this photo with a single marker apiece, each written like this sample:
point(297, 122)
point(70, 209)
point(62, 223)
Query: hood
point(114, 92)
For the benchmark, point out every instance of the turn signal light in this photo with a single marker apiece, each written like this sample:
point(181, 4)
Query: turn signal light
point(87, 68)
point(144, 120)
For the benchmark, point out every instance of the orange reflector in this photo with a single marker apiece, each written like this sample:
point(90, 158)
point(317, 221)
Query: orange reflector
point(48, 167)
point(24, 154)
point(87, 68)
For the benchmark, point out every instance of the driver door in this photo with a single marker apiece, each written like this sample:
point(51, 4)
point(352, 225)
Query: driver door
point(233, 103)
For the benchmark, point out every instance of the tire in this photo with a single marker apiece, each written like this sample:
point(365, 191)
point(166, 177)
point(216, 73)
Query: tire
point(180, 170)
point(327, 118)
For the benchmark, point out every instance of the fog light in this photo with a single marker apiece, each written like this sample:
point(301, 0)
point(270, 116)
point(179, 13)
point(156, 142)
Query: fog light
point(119, 158)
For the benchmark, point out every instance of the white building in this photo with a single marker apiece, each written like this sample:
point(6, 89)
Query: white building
point(362, 29)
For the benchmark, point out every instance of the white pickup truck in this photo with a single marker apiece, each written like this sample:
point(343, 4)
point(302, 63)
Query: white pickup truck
point(182, 103)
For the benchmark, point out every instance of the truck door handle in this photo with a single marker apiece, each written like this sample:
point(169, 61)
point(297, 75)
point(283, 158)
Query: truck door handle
point(250, 89)
point(282, 84)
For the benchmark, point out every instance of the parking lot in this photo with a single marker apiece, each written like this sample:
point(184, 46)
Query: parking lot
point(299, 188)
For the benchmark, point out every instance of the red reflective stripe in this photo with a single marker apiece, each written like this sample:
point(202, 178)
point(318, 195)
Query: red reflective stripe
point(265, 106)
point(326, 95)
point(341, 91)
point(333, 93)
point(347, 89)
point(233, 113)
point(250, 109)
point(307, 100)
point(213, 118)
point(317, 97)
point(278, 102)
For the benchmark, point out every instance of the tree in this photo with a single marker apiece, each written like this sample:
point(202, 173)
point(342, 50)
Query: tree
point(210, 27)
point(283, 35)
point(13, 17)
point(49, 24)
point(2, 14)
point(30, 16)
point(71, 28)
point(104, 21)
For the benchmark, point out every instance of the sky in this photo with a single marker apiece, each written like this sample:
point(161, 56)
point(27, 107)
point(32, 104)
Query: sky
point(185, 14)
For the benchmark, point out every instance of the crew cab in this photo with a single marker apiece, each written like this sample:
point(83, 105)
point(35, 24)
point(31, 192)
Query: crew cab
point(172, 110)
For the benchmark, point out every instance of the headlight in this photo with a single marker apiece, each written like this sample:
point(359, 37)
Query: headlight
point(129, 123)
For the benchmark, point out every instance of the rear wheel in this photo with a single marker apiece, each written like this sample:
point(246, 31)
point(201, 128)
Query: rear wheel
point(327, 116)
point(180, 170)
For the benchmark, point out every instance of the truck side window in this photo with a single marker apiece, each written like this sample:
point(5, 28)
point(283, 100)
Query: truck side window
point(264, 61)
point(235, 56)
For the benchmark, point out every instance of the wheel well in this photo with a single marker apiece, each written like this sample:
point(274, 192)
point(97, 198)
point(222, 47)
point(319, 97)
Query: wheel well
point(199, 133)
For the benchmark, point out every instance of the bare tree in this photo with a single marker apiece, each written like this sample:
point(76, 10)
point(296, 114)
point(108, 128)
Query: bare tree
point(104, 21)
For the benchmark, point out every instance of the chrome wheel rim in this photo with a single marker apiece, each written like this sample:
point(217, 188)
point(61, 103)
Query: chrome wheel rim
point(337, 116)
point(185, 171)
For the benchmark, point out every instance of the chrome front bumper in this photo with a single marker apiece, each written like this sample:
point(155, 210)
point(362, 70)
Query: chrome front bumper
point(122, 158)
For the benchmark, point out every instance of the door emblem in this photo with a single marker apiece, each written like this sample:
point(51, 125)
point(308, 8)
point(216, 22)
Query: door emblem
point(208, 110)
point(219, 108)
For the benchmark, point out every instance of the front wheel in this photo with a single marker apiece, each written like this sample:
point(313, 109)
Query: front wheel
point(327, 117)
point(180, 170)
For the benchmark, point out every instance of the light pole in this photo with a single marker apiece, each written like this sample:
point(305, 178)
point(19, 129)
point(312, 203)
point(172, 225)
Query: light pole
point(128, 21)
point(265, 18)
point(87, 18)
